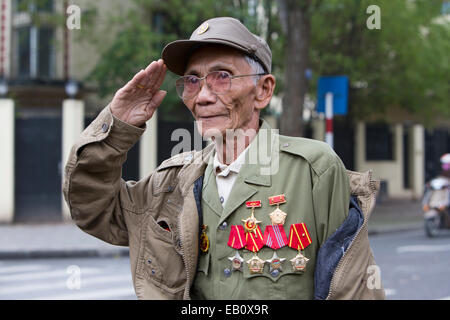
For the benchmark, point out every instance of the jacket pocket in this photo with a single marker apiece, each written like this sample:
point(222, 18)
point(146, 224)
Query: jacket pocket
point(159, 260)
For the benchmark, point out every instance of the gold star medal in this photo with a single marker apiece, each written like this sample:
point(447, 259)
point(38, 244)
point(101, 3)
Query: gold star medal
point(299, 262)
point(255, 265)
point(204, 240)
point(251, 222)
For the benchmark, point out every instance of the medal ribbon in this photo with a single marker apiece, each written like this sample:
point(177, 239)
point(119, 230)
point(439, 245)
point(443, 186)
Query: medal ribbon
point(254, 242)
point(275, 237)
point(237, 239)
point(299, 237)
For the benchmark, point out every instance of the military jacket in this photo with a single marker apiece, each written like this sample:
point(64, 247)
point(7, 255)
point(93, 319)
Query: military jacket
point(159, 217)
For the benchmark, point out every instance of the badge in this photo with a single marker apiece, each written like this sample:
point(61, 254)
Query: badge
point(255, 265)
point(237, 239)
point(299, 262)
point(236, 262)
point(204, 241)
point(250, 223)
point(203, 28)
point(277, 216)
point(299, 237)
point(275, 265)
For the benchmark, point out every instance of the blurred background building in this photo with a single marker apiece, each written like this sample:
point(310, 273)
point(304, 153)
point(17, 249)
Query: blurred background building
point(54, 81)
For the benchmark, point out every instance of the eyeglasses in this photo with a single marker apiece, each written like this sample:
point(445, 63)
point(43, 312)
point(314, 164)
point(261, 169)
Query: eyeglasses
point(219, 82)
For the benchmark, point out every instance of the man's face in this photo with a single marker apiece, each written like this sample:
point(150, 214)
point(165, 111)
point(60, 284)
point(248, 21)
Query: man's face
point(232, 110)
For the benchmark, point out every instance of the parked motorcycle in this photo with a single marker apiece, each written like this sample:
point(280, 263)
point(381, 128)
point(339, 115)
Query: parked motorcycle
point(436, 201)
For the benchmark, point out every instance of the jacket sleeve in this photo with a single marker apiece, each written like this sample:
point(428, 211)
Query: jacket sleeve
point(331, 194)
point(97, 196)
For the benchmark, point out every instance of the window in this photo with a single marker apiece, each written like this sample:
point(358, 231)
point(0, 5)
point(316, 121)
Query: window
point(34, 43)
point(379, 142)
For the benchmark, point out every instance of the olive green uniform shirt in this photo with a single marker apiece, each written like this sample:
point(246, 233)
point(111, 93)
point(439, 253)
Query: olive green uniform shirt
point(316, 187)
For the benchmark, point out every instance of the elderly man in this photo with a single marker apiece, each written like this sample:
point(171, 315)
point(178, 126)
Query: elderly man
point(230, 221)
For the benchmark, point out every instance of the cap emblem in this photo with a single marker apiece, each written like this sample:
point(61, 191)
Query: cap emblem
point(203, 28)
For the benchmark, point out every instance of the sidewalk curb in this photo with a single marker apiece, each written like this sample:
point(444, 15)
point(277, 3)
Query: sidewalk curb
point(61, 253)
point(387, 230)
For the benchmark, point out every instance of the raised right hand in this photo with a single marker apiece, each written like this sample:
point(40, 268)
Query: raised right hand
point(136, 102)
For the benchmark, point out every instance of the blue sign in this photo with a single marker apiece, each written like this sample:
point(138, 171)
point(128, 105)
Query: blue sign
point(338, 86)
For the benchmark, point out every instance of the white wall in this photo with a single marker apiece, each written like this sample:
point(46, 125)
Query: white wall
point(7, 161)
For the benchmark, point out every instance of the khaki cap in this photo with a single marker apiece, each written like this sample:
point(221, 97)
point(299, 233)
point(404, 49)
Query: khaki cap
point(223, 30)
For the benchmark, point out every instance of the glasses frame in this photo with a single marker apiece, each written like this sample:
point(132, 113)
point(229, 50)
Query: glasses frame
point(204, 78)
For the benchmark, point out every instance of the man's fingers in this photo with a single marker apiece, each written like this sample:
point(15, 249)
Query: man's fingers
point(155, 101)
point(153, 72)
point(160, 80)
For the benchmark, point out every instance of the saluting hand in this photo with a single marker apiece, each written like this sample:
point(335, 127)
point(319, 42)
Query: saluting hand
point(136, 102)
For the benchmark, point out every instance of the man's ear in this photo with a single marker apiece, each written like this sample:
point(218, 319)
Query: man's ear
point(264, 91)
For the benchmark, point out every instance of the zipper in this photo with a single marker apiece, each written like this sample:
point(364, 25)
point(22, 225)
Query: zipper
point(340, 262)
point(183, 257)
point(373, 188)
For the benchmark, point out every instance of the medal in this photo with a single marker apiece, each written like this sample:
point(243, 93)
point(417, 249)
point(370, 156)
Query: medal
point(236, 262)
point(277, 216)
point(299, 262)
point(254, 240)
point(255, 265)
point(299, 239)
point(237, 239)
point(275, 265)
point(204, 241)
point(250, 223)
point(274, 235)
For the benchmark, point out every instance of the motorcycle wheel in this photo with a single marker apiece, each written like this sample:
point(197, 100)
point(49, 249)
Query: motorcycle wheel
point(432, 226)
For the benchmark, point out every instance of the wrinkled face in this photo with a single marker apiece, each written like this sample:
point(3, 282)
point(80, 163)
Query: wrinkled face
point(232, 110)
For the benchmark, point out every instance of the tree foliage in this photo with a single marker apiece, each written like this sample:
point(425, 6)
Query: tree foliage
point(404, 65)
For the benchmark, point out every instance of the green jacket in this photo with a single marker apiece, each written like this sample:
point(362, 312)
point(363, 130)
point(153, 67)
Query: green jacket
point(164, 263)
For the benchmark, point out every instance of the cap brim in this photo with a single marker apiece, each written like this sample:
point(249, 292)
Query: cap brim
point(176, 54)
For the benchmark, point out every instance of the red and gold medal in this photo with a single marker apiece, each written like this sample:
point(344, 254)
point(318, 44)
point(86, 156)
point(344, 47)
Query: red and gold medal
point(204, 240)
point(251, 222)
point(299, 239)
point(237, 239)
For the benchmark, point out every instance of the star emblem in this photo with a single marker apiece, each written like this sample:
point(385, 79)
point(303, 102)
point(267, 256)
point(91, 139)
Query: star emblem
point(275, 264)
point(277, 216)
point(250, 223)
point(299, 262)
point(255, 264)
point(236, 262)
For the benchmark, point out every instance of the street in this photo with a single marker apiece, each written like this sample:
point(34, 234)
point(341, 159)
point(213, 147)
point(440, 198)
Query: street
point(412, 267)
point(66, 279)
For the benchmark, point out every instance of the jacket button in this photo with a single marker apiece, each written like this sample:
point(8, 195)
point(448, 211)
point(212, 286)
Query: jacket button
point(227, 272)
point(104, 127)
point(223, 226)
point(149, 261)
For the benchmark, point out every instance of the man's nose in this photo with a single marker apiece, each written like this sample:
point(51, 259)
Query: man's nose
point(205, 95)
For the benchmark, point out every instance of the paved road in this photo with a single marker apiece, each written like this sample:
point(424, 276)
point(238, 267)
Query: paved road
point(413, 266)
point(67, 279)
